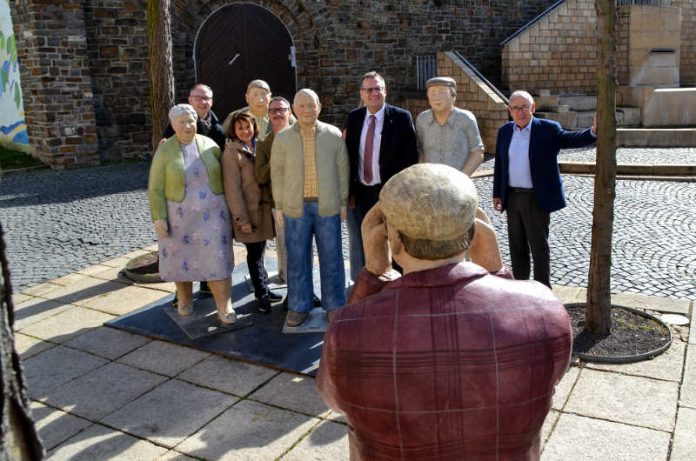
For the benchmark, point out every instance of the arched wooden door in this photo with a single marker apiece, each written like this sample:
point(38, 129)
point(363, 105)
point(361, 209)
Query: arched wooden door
point(240, 43)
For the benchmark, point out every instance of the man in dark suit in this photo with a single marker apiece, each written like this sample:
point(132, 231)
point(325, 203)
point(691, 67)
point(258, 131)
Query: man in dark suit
point(527, 182)
point(381, 141)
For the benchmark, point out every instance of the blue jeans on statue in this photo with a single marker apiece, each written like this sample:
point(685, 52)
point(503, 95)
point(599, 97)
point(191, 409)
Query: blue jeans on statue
point(355, 244)
point(298, 237)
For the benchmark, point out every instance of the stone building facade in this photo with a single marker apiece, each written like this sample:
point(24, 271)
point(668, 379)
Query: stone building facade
point(84, 62)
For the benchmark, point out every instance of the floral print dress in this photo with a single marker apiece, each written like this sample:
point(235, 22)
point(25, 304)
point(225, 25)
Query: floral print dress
point(199, 244)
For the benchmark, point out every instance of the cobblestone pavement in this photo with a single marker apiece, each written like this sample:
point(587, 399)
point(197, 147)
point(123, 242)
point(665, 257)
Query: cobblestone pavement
point(631, 155)
point(57, 222)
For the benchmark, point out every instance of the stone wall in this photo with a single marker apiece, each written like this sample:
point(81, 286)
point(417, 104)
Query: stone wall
point(337, 41)
point(557, 53)
point(117, 51)
point(56, 81)
point(687, 65)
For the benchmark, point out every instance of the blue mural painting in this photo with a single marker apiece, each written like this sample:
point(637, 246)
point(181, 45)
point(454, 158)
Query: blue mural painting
point(13, 129)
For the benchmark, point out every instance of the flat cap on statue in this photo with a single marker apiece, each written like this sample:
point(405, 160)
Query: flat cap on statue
point(441, 81)
point(430, 201)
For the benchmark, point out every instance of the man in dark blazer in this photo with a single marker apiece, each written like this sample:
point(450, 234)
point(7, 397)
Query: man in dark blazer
point(527, 182)
point(393, 148)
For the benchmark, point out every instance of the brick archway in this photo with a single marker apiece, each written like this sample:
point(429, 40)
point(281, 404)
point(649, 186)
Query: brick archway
point(239, 43)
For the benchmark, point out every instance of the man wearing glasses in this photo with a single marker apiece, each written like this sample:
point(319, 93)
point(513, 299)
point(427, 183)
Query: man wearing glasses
point(527, 182)
point(201, 98)
point(381, 141)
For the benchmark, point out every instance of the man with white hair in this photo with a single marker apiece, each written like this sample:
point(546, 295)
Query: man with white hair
point(453, 360)
point(309, 173)
point(527, 182)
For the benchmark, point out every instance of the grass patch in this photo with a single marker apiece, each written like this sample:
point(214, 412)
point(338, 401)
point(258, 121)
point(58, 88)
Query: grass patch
point(12, 159)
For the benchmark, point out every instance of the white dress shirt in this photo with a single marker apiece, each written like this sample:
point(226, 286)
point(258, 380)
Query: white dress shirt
point(520, 174)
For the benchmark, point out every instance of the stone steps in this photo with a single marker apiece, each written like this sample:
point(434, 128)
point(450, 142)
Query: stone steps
point(656, 137)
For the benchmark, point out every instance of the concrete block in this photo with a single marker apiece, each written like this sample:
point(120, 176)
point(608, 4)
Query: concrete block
point(99, 442)
point(67, 325)
point(670, 107)
point(227, 375)
point(570, 294)
point(163, 358)
point(666, 366)
point(579, 102)
point(684, 443)
point(641, 401)
point(580, 438)
point(55, 426)
point(249, 430)
point(171, 412)
point(51, 368)
point(106, 342)
point(631, 137)
point(102, 391)
point(328, 438)
point(584, 119)
point(567, 120)
point(628, 116)
point(294, 392)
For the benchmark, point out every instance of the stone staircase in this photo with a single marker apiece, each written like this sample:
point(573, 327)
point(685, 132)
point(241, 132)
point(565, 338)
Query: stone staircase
point(576, 112)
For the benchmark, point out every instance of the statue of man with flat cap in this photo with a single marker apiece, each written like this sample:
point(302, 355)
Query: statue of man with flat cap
point(453, 360)
point(446, 133)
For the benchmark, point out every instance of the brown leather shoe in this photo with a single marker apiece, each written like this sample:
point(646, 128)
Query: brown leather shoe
point(295, 319)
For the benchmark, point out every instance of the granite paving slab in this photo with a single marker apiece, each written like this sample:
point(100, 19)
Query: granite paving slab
point(102, 391)
point(122, 300)
point(55, 426)
point(549, 424)
point(327, 441)
point(107, 342)
point(248, 430)
point(688, 388)
point(653, 303)
point(51, 368)
point(34, 310)
point(667, 366)
point(294, 392)
point(102, 443)
point(67, 324)
point(579, 438)
point(173, 455)
point(81, 289)
point(628, 399)
point(26, 346)
point(170, 412)
point(226, 375)
point(684, 442)
point(163, 358)
point(562, 391)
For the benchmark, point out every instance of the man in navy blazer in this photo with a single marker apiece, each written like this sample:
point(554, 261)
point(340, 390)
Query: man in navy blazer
point(527, 182)
point(393, 148)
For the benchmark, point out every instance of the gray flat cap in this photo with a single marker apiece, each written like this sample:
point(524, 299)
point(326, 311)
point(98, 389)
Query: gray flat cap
point(430, 201)
point(441, 81)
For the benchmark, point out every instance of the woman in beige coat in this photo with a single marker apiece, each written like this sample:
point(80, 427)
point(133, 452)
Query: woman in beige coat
point(252, 220)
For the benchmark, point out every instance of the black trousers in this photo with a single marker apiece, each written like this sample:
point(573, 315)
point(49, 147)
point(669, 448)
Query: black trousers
point(528, 231)
point(257, 272)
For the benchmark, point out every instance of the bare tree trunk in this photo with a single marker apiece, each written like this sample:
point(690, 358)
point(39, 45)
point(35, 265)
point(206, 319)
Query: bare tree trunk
point(598, 315)
point(18, 436)
point(159, 41)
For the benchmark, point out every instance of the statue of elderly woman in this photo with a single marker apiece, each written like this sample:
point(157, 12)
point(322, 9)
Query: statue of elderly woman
point(190, 214)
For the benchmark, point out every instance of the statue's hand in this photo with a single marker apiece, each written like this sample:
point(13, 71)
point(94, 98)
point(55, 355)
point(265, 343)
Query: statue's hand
point(375, 243)
point(344, 213)
point(484, 249)
point(161, 228)
point(278, 215)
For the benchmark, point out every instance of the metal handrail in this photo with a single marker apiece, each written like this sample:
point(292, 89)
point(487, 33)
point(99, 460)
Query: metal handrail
point(533, 21)
point(480, 76)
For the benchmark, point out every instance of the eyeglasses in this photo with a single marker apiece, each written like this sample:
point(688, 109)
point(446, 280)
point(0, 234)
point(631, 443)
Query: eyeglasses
point(374, 89)
point(198, 97)
point(523, 108)
point(278, 110)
